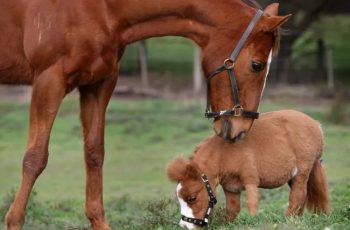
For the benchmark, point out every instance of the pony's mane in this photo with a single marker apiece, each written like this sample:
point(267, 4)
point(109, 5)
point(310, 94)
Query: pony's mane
point(276, 33)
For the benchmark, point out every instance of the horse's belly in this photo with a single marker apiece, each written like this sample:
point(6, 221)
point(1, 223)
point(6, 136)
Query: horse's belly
point(16, 74)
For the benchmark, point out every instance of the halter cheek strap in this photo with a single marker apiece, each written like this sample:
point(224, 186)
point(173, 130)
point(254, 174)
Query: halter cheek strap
point(212, 201)
point(229, 65)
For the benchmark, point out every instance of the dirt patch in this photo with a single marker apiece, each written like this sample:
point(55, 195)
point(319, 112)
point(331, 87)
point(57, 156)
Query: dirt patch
point(15, 93)
point(166, 87)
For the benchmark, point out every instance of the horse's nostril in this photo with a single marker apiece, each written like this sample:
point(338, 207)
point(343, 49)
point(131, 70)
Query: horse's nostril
point(241, 135)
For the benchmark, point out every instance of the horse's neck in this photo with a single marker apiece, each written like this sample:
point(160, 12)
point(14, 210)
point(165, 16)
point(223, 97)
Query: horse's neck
point(194, 19)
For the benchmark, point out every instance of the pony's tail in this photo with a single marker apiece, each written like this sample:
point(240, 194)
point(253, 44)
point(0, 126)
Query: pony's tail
point(317, 200)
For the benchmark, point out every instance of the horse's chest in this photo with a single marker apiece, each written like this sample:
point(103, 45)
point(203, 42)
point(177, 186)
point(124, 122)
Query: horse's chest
point(88, 68)
point(232, 184)
point(86, 53)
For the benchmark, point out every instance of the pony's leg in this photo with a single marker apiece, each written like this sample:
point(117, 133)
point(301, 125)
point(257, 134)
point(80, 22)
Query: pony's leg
point(252, 198)
point(233, 204)
point(93, 101)
point(297, 196)
point(48, 91)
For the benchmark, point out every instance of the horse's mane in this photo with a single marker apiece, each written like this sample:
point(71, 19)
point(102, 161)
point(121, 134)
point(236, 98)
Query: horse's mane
point(276, 33)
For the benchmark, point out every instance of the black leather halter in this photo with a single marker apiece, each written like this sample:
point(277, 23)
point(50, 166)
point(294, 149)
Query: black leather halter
point(212, 201)
point(229, 65)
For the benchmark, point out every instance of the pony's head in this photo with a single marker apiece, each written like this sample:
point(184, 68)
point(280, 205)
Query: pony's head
point(251, 68)
point(190, 191)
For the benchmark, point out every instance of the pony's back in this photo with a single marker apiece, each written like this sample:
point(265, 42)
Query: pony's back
point(304, 133)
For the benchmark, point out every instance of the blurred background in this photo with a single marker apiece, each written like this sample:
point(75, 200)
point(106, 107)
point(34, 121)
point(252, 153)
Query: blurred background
point(157, 112)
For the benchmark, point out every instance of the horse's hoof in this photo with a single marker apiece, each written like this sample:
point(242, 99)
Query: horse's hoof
point(101, 227)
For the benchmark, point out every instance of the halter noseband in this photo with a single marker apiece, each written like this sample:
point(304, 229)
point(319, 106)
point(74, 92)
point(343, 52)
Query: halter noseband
point(212, 201)
point(229, 65)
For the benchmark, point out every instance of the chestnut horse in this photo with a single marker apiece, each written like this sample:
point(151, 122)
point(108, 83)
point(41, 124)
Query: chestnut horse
point(57, 46)
point(277, 150)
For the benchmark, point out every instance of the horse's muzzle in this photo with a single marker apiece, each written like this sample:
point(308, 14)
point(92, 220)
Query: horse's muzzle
point(227, 129)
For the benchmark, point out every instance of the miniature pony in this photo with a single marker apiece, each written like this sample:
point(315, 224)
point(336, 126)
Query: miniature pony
point(282, 147)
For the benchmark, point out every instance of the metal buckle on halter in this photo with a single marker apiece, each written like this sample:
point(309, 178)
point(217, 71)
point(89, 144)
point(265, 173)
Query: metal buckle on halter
point(204, 178)
point(229, 64)
point(237, 111)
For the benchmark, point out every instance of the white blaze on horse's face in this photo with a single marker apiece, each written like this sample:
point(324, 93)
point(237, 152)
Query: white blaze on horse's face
point(185, 210)
point(269, 63)
point(269, 60)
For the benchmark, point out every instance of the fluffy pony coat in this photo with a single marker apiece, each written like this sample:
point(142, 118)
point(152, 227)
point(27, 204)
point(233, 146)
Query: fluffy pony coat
point(282, 147)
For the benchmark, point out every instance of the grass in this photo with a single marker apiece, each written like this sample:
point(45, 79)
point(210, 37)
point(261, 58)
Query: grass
point(141, 137)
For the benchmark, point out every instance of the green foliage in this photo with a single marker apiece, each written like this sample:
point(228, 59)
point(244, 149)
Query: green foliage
point(166, 56)
point(336, 34)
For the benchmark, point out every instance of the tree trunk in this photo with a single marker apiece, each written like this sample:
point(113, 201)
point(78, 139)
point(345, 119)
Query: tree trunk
point(143, 65)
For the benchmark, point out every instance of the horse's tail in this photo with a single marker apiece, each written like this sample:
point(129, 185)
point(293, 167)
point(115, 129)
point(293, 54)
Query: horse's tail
point(317, 200)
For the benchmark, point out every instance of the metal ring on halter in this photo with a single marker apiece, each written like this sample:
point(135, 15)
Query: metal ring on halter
point(238, 111)
point(229, 64)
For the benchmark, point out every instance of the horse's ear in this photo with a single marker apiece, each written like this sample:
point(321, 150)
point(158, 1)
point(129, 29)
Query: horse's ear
point(176, 169)
point(272, 9)
point(273, 22)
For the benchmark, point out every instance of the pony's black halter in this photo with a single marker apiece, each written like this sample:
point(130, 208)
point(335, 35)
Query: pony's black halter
point(229, 65)
point(212, 201)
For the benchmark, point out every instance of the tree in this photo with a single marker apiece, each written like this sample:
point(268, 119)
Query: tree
point(304, 14)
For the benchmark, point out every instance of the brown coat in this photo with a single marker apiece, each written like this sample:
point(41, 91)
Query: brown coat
point(282, 147)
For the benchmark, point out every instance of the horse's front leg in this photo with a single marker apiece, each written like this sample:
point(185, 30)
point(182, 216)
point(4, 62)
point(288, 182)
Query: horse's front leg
point(93, 101)
point(233, 204)
point(49, 89)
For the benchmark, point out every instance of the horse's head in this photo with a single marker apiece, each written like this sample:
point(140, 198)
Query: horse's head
point(192, 193)
point(250, 68)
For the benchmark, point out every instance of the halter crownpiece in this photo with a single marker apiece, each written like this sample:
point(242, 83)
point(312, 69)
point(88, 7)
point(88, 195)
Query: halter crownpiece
point(229, 65)
point(212, 201)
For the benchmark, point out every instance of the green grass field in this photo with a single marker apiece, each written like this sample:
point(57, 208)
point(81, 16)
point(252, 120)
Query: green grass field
point(141, 137)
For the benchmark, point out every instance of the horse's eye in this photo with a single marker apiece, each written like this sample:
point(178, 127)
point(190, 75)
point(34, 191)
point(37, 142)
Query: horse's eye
point(191, 199)
point(257, 66)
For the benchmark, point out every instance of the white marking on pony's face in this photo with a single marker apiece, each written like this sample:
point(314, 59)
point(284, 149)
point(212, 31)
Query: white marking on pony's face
point(185, 210)
point(294, 172)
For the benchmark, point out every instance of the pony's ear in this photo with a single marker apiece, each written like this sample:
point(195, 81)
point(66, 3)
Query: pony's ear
point(192, 171)
point(177, 169)
point(273, 22)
